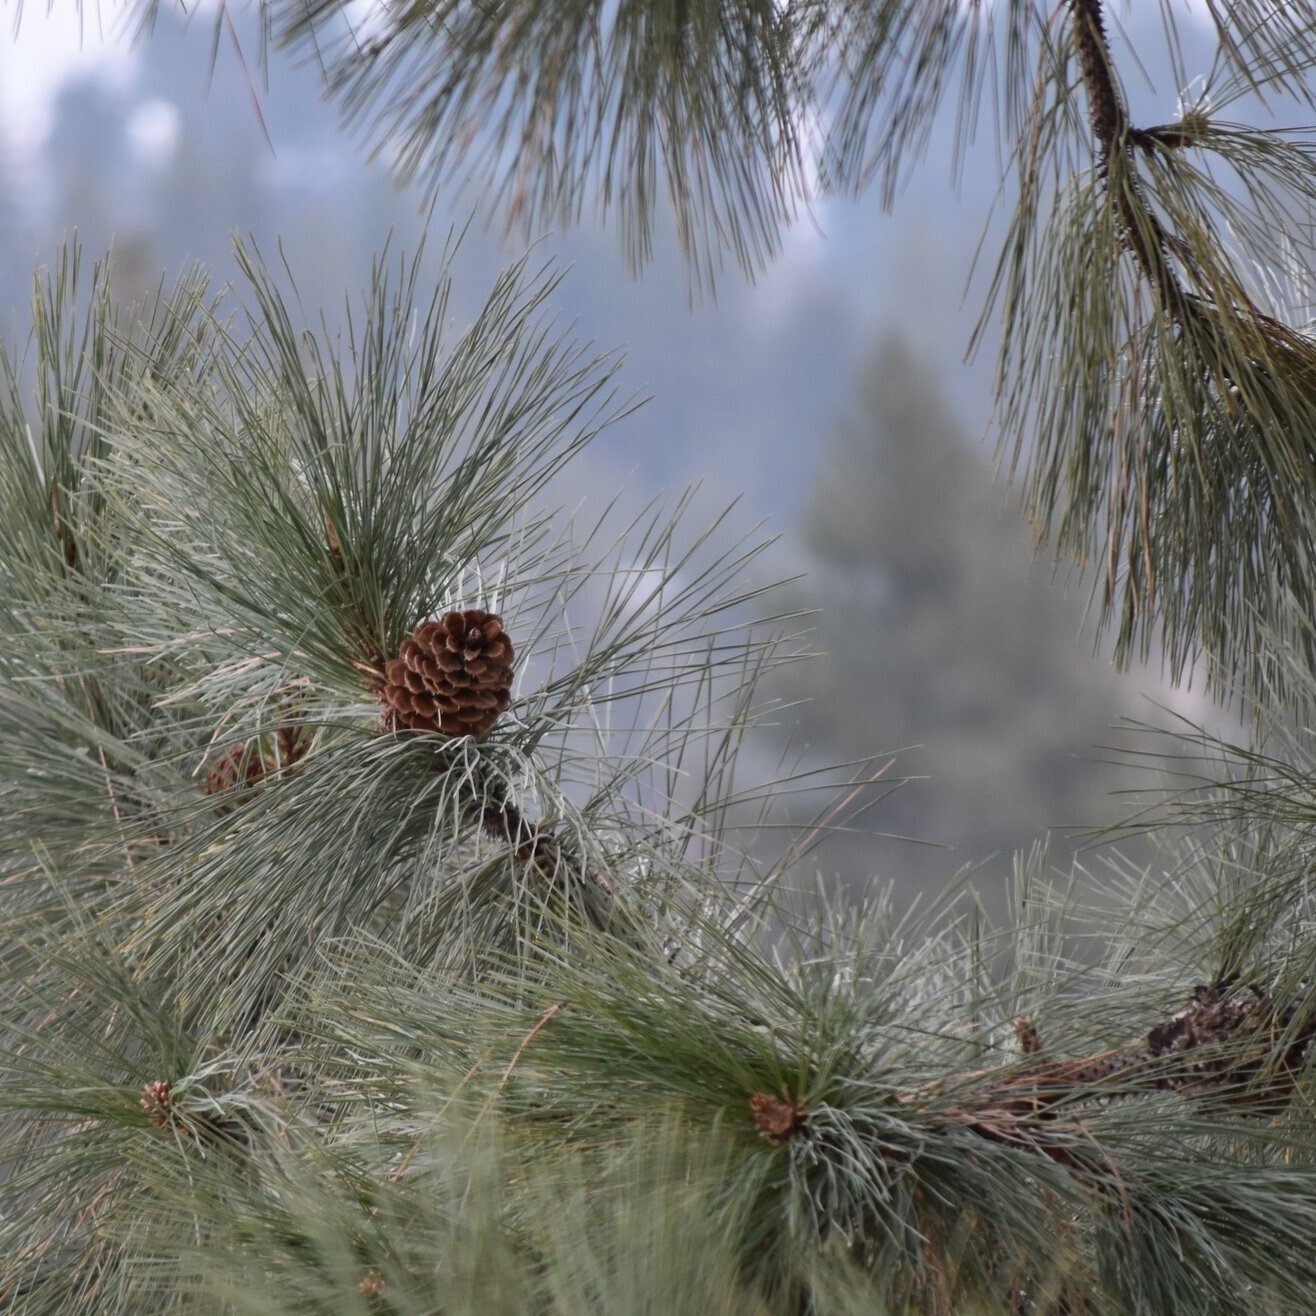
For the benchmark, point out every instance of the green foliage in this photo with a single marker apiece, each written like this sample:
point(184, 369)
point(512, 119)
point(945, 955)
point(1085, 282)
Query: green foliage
point(257, 521)
point(1151, 292)
point(413, 1024)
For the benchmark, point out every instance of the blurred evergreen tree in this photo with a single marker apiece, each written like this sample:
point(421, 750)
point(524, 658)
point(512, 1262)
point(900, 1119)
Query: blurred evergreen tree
point(941, 632)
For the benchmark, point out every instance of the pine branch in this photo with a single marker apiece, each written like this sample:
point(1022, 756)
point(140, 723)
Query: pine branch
point(1149, 377)
point(549, 854)
point(296, 518)
point(1142, 229)
point(1226, 1045)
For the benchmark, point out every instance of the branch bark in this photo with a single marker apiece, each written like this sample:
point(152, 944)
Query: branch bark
point(1144, 234)
point(1230, 1046)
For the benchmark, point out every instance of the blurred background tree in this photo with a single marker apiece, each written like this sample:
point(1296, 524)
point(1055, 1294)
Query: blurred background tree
point(943, 638)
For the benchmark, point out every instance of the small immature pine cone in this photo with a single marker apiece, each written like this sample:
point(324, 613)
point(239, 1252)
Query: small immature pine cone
point(157, 1101)
point(453, 676)
point(776, 1119)
point(238, 766)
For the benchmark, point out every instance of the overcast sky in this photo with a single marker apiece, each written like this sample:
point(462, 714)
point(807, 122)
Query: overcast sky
point(46, 45)
point(41, 51)
point(745, 391)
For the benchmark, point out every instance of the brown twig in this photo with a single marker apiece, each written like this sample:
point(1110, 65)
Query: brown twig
point(1229, 1045)
point(114, 807)
point(1144, 234)
point(531, 843)
point(540, 1024)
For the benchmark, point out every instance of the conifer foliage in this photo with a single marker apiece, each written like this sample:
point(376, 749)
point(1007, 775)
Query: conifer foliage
point(374, 938)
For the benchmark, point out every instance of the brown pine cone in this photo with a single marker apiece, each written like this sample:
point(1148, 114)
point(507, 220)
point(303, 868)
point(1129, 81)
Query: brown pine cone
point(453, 676)
point(238, 766)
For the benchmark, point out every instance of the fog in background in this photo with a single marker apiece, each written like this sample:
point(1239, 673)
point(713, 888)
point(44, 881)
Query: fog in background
point(831, 394)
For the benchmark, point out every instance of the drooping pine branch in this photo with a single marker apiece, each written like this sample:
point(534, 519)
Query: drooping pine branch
point(1150, 380)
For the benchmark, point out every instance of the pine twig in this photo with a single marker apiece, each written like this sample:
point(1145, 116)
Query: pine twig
point(1116, 137)
point(534, 845)
point(1220, 1046)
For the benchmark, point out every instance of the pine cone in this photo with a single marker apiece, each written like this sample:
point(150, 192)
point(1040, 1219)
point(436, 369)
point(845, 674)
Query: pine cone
point(775, 1119)
point(157, 1102)
point(453, 676)
point(240, 766)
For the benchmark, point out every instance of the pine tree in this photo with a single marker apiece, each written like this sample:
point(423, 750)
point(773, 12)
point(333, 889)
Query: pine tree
point(374, 939)
point(972, 669)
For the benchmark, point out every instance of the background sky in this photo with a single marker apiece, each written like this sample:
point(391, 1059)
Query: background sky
point(759, 362)
point(742, 378)
point(140, 146)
